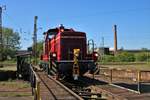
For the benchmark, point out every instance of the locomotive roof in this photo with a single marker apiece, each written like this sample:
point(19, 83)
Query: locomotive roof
point(63, 31)
point(23, 53)
point(55, 31)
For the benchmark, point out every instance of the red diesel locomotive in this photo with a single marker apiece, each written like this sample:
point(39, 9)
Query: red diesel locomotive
point(66, 53)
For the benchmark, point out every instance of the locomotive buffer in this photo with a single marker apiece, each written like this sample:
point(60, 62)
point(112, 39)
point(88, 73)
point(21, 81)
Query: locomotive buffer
point(76, 65)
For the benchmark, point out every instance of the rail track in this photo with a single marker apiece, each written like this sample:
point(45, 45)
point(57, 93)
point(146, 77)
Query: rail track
point(116, 92)
point(85, 88)
point(51, 89)
point(82, 88)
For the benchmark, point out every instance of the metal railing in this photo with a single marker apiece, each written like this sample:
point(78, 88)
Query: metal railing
point(136, 76)
point(35, 84)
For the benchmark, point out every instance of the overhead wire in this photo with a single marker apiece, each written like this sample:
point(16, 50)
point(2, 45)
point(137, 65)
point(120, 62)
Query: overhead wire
point(77, 17)
point(19, 30)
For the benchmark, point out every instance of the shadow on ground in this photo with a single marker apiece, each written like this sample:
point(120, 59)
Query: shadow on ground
point(6, 75)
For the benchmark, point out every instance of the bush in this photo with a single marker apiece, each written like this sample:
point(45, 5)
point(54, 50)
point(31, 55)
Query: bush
point(108, 58)
point(142, 56)
point(125, 57)
point(121, 57)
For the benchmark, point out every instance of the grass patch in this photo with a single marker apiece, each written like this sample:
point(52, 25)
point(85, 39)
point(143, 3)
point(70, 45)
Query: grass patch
point(128, 66)
point(9, 65)
point(124, 63)
point(9, 62)
point(13, 84)
point(13, 94)
point(15, 88)
point(9, 68)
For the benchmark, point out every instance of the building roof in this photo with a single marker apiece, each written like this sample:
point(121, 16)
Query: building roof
point(23, 53)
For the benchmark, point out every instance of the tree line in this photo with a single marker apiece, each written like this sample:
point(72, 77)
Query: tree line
point(10, 43)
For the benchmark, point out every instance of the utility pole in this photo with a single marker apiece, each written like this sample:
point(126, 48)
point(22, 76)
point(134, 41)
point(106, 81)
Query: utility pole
point(102, 52)
point(115, 39)
point(1, 36)
point(103, 42)
point(35, 40)
point(102, 45)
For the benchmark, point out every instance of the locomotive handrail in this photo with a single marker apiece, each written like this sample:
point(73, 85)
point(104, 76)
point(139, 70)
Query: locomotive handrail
point(68, 61)
point(91, 42)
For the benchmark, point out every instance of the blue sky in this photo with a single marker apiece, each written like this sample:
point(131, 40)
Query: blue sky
point(95, 17)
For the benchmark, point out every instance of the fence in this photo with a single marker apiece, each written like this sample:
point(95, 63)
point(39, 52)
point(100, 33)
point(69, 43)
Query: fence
point(35, 84)
point(132, 76)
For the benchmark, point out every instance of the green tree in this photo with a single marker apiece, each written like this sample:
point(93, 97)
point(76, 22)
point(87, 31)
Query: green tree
point(11, 43)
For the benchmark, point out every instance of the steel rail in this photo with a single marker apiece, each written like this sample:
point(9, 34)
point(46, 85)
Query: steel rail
point(66, 88)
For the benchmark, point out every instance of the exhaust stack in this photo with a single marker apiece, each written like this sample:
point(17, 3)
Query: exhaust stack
point(115, 39)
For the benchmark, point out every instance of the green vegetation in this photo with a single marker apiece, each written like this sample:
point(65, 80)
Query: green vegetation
point(126, 60)
point(11, 43)
point(126, 57)
point(14, 84)
point(9, 62)
point(9, 65)
point(38, 52)
point(143, 56)
point(9, 68)
point(39, 48)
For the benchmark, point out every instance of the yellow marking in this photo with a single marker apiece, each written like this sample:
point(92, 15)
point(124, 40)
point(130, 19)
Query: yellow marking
point(76, 52)
point(75, 65)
